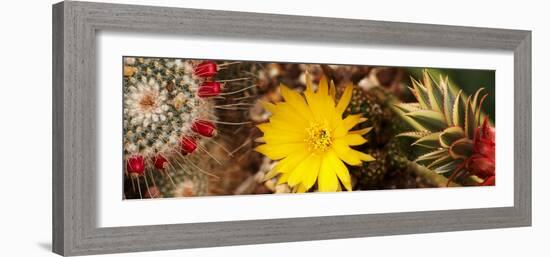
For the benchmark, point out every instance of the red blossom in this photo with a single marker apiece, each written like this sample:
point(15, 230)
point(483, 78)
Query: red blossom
point(160, 162)
point(482, 161)
point(206, 69)
point(135, 165)
point(204, 128)
point(188, 145)
point(209, 89)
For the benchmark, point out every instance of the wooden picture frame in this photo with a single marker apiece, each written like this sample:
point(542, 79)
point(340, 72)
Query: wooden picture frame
point(75, 25)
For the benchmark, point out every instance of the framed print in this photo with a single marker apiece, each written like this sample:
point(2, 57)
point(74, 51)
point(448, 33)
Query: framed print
point(182, 128)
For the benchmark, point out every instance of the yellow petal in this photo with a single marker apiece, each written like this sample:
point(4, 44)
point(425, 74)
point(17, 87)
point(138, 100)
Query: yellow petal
point(323, 86)
point(340, 168)
point(354, 139)
point(283, 178)
point(291, 133)
point(268, 106)
point(328, 114)
point(332, 90)
point(328, 182)
point(280, 123)
point(263, 127)
point(346, 124)
point(344, 152)
point(311, 166)
point(271, 174)
point(283, 138)
point(351, 120)
point(289, 163)
point(296, 101)
point(309, 84)
point(301, 188)
point(363, 156)
point(314, 101)
point(288, 112)
point(345, 99)
point(361, 131)
point(277, 152)
point(306, 172)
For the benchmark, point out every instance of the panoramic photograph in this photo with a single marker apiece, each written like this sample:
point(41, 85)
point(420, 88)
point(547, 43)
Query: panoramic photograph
point(230, 127)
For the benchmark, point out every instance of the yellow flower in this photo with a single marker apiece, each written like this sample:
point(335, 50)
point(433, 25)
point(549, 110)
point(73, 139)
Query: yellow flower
point(311, 139)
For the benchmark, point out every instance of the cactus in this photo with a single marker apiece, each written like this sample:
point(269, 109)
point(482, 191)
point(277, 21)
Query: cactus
point(167, 115)
point(445, 125)
point(370, 175)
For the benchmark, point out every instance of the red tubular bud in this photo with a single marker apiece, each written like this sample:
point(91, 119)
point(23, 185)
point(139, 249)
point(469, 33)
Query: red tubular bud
point(160, 162)
point(188, 145)
point(209, 89)
point(206, 69)
point(135, 165)
point(204, 128)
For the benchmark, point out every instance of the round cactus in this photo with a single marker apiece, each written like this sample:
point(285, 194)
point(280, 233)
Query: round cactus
point(168, 112)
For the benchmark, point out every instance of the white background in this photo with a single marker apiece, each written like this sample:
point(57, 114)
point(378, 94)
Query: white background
point(25, 129)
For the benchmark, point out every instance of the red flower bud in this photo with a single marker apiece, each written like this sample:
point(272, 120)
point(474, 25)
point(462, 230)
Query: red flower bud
point(482, 161)
point(160, 162)
point(135, 165)
point(481, 166)
point(188, 145)
point(210, 88)
point(490, 181)
point(206, 69)
point(204, 128)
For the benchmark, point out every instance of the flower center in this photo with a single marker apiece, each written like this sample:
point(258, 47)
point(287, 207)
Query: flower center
point(147, 101)
point(318, 137)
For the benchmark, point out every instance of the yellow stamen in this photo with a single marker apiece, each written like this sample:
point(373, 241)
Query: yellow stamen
point(319, 138)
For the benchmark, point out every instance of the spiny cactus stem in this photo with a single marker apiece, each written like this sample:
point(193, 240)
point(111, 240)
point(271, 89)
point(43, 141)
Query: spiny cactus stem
point(248, 141)
point(229, 153)
point(133, 184)
point(139, 188)
point(244, 97)
point(401, 115)
point(390, 103)
point(235, 104)
point(227, 64)
point(203, 149)
point(237, 91)
point(147, 185)
point(229, 123)
point(165, 172)
point(430, 176)
point(152, 179)
point(231, 108)
point(199, 169)
point(231, 80)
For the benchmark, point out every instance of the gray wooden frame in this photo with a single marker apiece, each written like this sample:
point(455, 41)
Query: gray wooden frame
point(75, 25)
